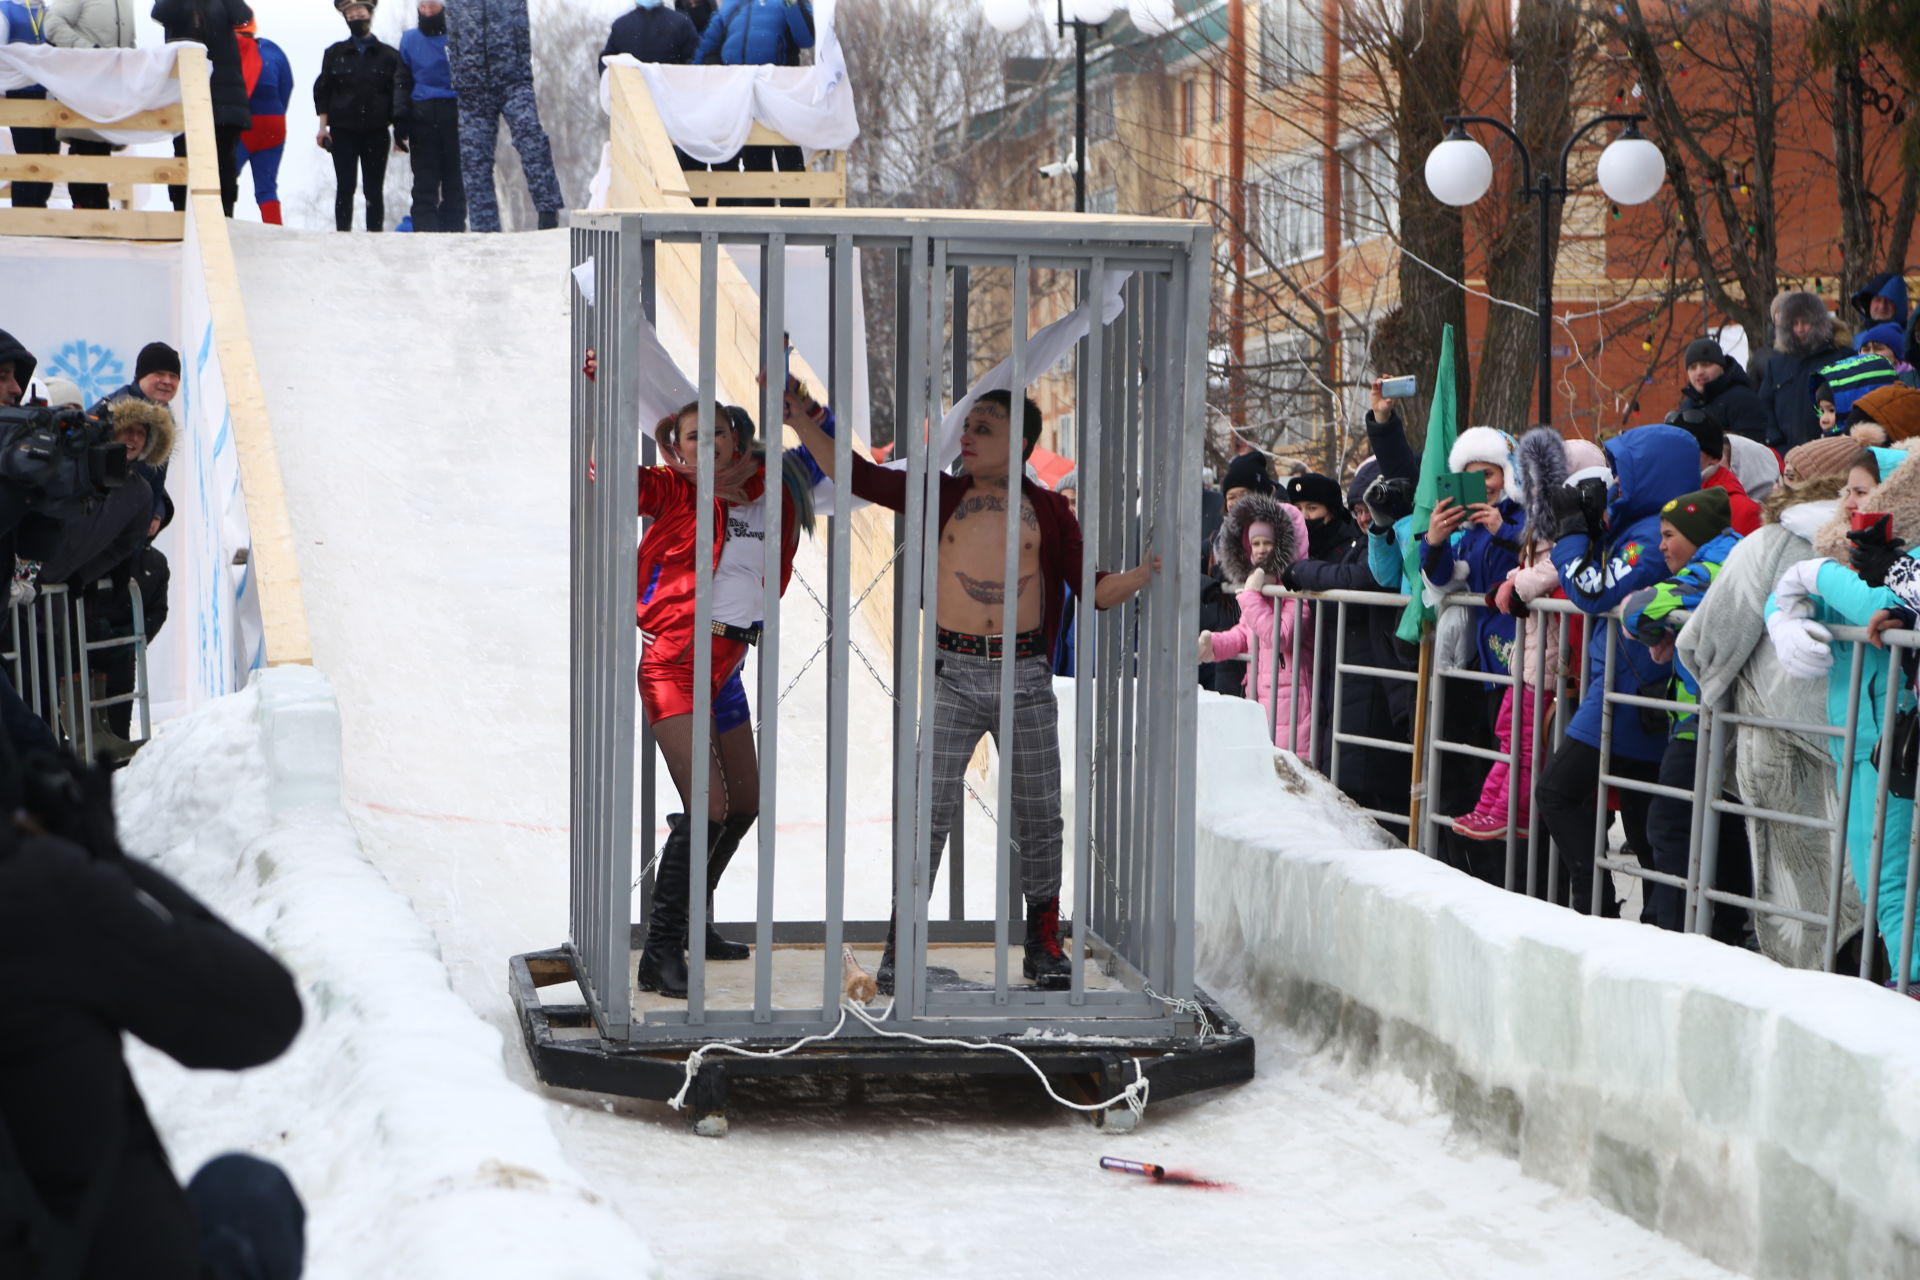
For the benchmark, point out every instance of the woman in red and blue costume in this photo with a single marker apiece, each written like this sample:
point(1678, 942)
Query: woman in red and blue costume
point(669, 496)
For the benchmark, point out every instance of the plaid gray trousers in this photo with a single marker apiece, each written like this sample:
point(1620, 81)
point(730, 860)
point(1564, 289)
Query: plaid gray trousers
point(966, 704)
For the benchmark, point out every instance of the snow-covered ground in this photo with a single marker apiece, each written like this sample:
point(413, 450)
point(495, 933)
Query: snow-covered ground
point(418, 391)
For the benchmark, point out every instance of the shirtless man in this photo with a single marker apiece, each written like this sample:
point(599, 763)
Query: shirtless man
point(970, 622)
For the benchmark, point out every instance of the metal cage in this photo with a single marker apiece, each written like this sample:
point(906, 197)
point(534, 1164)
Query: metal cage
point(1128, 858)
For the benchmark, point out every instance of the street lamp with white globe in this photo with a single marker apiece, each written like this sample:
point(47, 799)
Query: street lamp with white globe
point(1459, 172)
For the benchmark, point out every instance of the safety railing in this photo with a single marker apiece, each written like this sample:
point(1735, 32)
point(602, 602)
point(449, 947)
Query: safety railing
point(50, 660)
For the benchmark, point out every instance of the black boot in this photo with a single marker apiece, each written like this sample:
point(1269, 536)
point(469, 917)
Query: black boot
point(549, 219)
point(726, 843)
point(663, 961)
point(883, 976)
point(1046, 964)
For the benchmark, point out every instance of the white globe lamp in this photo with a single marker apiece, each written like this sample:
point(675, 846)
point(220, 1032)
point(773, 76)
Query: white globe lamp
point(1091, 12)
point(1152, 17)
point(1459, 170)
point(1007, 16)
point(1631, 169)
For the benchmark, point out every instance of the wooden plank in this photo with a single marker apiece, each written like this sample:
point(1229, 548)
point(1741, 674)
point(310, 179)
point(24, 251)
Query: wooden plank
point(110, 169)
point(283, 608)
point(44, 113)
point(196, 101)
point(790, 186)
point(761, 136)
point(93, 224)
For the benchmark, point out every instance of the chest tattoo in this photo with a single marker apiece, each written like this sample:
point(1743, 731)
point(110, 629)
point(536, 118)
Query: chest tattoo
point(988, 591)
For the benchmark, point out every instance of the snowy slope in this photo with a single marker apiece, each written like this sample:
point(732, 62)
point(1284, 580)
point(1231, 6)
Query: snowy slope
point(418, 391)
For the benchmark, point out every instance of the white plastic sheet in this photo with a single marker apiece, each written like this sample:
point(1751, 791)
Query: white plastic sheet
point(101, 84)
point(708, 111)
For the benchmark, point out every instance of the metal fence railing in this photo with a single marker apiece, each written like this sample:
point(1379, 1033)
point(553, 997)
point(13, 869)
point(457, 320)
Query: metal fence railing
point(55, 656)
point(1878, 860)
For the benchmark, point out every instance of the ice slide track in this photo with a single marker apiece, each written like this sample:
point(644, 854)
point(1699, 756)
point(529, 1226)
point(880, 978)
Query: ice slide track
point(416, 391)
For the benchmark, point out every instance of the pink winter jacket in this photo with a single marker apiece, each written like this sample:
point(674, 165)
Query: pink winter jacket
point(1534, 582)
point(1253, 635)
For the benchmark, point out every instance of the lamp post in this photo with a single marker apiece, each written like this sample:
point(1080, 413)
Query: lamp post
point(1459, 171)
point(1083, 16)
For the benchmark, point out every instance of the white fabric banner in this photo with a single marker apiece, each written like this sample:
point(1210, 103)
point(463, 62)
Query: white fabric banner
point(708, 111)
point(101, 84)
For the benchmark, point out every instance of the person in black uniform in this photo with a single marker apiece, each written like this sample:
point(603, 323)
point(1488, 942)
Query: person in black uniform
point(362, 112)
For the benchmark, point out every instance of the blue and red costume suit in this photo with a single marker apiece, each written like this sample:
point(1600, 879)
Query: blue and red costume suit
point(269, 79)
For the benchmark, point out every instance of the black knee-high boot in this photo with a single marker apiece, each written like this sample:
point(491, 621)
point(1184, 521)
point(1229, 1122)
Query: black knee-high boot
point(725, 844)
point(663, 961)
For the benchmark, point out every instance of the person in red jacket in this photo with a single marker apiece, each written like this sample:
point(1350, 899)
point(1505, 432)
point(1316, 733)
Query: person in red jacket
point(1714, 472)
point(664, 611)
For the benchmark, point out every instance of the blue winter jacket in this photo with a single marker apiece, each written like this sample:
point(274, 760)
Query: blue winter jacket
point(750, 32)
point(1652, 465)
point(1487, 558)
point(1387, 554)
point(22, 24)
point(274, 90)
point(488, 46)
point(425, 60)
point(1650, 614)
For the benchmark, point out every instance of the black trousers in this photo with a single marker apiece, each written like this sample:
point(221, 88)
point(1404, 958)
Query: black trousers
point(88, 195)
point(768, 160)
point(226, 143)
point(439, 197)
point(1670, 833)
point(252, 1224)
point(361, 152)
point(33, 142)
point(1566, 796)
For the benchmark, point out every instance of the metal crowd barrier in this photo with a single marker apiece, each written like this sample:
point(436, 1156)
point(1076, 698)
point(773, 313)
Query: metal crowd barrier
point(48, 662)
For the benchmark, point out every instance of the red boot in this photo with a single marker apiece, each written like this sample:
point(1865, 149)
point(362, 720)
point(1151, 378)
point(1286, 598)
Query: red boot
point(270, 212)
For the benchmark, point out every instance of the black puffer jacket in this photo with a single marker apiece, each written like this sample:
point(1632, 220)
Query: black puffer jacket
point(1730, 402)
point(141, 955)
point(211, 23)
point(659, 34)
point(359, 87)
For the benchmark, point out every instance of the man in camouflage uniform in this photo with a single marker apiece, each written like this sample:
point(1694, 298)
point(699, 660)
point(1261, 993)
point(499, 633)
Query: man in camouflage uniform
point(490, 54)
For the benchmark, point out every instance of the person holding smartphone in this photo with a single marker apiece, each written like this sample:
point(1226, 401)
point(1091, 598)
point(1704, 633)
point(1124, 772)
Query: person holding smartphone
point(1472, 546)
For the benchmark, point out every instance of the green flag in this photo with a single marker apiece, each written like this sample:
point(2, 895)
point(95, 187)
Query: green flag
point(1443, 426)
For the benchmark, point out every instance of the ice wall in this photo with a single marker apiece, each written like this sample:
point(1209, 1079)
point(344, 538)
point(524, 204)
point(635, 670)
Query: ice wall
point(1767, 1118)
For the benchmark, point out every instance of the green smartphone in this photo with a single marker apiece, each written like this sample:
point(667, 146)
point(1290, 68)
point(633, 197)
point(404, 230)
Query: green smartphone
point(1464, 487)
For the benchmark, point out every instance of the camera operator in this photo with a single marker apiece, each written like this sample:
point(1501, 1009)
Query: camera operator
point(16, 369)
point(86, 1189)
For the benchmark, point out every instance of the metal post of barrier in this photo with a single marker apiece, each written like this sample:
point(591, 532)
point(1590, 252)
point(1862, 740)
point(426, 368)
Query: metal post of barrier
point(1515, 709)
point(1318, 617)
point(1597, 903)
point(1273, 685)
point(1428, 836)
point(1338, 693)
point(1843, 816)
point(1706, 818)
point(1537, 715)
point(1870, 891)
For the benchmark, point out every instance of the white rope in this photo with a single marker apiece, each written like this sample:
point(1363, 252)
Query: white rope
point(1193, 1007)
point(1133, 1095)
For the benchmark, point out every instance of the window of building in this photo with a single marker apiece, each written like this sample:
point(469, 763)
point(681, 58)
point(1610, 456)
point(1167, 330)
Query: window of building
point(1290, 39)
point(1187, 96)
point(1100, 121)
point(1219, 97)
point(1105, 200)
point(1284, 211)
point(1369, 190)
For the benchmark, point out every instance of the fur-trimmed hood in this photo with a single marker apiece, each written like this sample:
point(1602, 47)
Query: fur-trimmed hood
point(1541, 457)
point(1231, 550)
point(1898, 493)
point(1796, 305)
point(133, 411)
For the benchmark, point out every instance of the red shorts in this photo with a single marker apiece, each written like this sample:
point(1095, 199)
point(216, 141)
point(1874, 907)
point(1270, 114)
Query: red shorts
point(666, 686)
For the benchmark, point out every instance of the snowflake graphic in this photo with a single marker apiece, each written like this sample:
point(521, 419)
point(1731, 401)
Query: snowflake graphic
point(95, 369)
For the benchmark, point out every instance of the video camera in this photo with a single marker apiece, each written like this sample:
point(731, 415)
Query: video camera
point(60, 462)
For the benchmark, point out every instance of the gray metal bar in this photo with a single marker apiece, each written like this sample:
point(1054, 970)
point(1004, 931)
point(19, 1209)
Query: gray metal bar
point(1010, 624)
point(961, 374)
point(1090, 406)
point(773, 312)
point(698, 821)
point(924, 517)
point(1600, 813)
point(840, 619)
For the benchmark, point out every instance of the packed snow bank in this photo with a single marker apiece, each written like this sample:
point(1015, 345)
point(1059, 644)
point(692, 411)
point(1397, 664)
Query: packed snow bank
point(1767, 1118)
point(392, 1112)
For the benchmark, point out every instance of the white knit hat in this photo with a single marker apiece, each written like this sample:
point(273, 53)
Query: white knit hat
point(1492, 446)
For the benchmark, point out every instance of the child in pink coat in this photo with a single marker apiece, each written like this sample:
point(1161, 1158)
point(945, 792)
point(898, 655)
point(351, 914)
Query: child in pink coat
point(1258, 538)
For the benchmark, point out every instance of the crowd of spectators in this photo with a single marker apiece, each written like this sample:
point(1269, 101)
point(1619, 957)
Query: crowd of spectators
point(1720, 546)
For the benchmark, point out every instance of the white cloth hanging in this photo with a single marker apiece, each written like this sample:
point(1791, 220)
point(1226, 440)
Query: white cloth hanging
point(708, 111)
point(101, 84)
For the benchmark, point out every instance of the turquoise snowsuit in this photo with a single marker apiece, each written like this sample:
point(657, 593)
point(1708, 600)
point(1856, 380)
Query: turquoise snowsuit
point(1842, 597)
